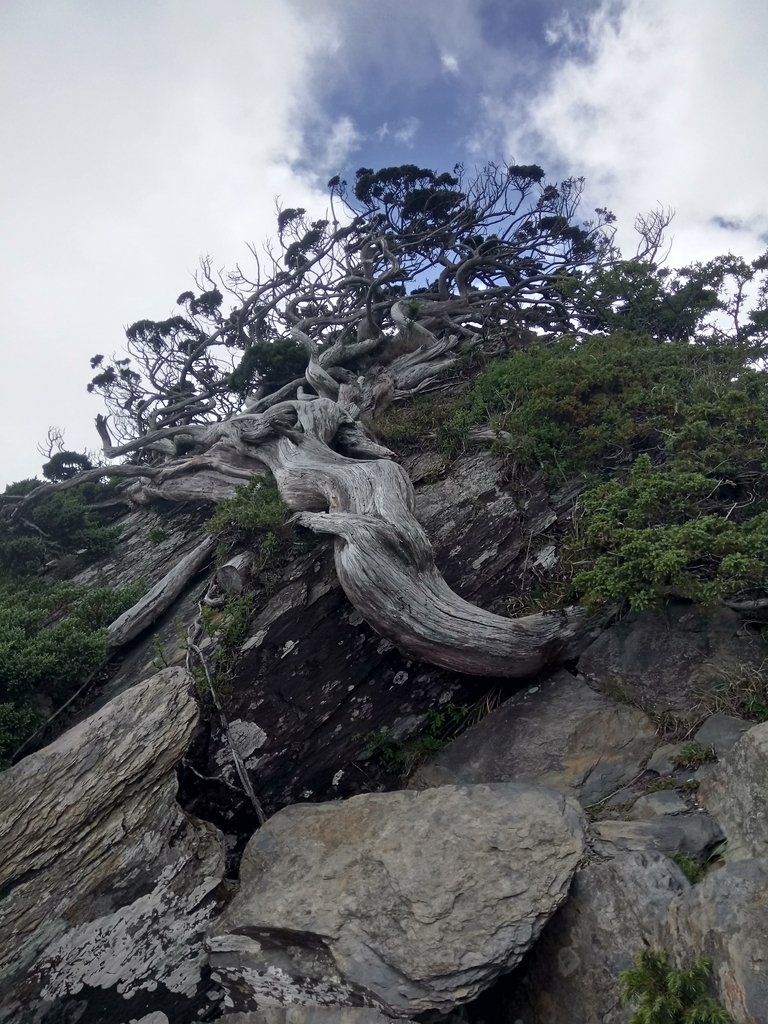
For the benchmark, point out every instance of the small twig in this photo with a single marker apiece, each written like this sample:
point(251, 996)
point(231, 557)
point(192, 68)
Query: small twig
point(209, 778)
point(627, 785)
point(41, 729)
point(193, 634)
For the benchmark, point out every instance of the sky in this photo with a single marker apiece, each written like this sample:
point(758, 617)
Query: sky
point(137, 137)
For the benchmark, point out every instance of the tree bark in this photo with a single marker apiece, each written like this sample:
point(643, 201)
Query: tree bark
point(383, 557)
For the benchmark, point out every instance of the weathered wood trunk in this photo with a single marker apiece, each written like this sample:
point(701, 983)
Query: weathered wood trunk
point(384, 559)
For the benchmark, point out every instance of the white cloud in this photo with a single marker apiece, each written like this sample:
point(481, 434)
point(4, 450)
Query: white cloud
point(449, 63)
point(564, 30)
point(382, 131)
point(407, 131)
point(341, 138)
point(134, 141)
point(667, 109)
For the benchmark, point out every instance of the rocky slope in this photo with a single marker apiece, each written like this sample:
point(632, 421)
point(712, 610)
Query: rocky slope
point(126, 893)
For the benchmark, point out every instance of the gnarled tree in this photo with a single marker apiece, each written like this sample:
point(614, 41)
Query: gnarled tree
point(273, 370)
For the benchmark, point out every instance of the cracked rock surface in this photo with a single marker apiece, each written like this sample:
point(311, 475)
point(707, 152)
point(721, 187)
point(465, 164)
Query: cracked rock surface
point(407, 901)
point(107, 885)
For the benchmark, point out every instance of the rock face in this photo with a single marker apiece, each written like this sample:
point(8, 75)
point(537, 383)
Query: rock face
point(402, 904)
point(107, 885)
point(665, 660)
point(559, 733)
point(318, 682)
point(406, 901)
point(725, 918)
point(614, 908)
point(736, 795)
point(637, 897)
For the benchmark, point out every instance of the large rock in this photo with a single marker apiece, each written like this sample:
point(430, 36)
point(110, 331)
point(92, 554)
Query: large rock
point(409, 901)
point(614, 909)
point(692, 834)
point(638, 898)
point(306, 1015)
point(725, 918)
point(107, 884)
point(735, 793)
point(558, 733)
point(665, 660)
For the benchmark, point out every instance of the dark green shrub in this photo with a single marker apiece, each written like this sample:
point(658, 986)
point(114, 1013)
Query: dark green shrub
point(255, 506)
point(52, 637)
point(660, 994)
point(595, 405)
point(17, 722)
point(65, 516)
point(693, 755)
point(402, 757)
point(23, 487)
point(272, 363)
point(677, 434)
point(660, 533)
point(690, 867)
point(418, 422)
point(64, 465)
point(20, 556)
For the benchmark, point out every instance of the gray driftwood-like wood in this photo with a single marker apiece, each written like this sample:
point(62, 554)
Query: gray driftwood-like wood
point(159, 598)
point(338, 481)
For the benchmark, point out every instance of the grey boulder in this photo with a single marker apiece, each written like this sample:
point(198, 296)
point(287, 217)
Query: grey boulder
point(107, 884)
point(406, 901)
point(735, 793)
point(615, 908)
point(559, 733)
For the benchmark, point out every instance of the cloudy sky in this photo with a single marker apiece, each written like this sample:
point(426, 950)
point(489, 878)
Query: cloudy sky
point(137, 136)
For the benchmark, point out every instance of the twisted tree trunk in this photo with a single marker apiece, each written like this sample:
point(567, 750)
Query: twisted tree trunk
point(338, 481)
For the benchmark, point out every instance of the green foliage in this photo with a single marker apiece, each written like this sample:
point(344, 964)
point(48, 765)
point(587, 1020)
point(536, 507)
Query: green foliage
point(595, 405)
point(229, 626)
point(402, 757)
point(273, 363)
point(674, 305)
point(65, 516)
point(419, 421)
point(64, 465)
point(635, 295)
point(17, 722)
point(157, 535)
point(62, 522)
point(20, 555)
point(690, 867)
point(742, 692)
point(256, 505)
point(662, 532)
point(52, 636)
point(661, 994)
point(692, 756)
point(23, 487)
point(421, 198)
point(680, 432)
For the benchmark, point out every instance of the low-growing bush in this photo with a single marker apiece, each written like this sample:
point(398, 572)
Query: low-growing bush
point(661, 994)
point(594, 405)
point(672, 439)
point(52, 637)
point(423, 422)
point(256, 505)
point(663, 532)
